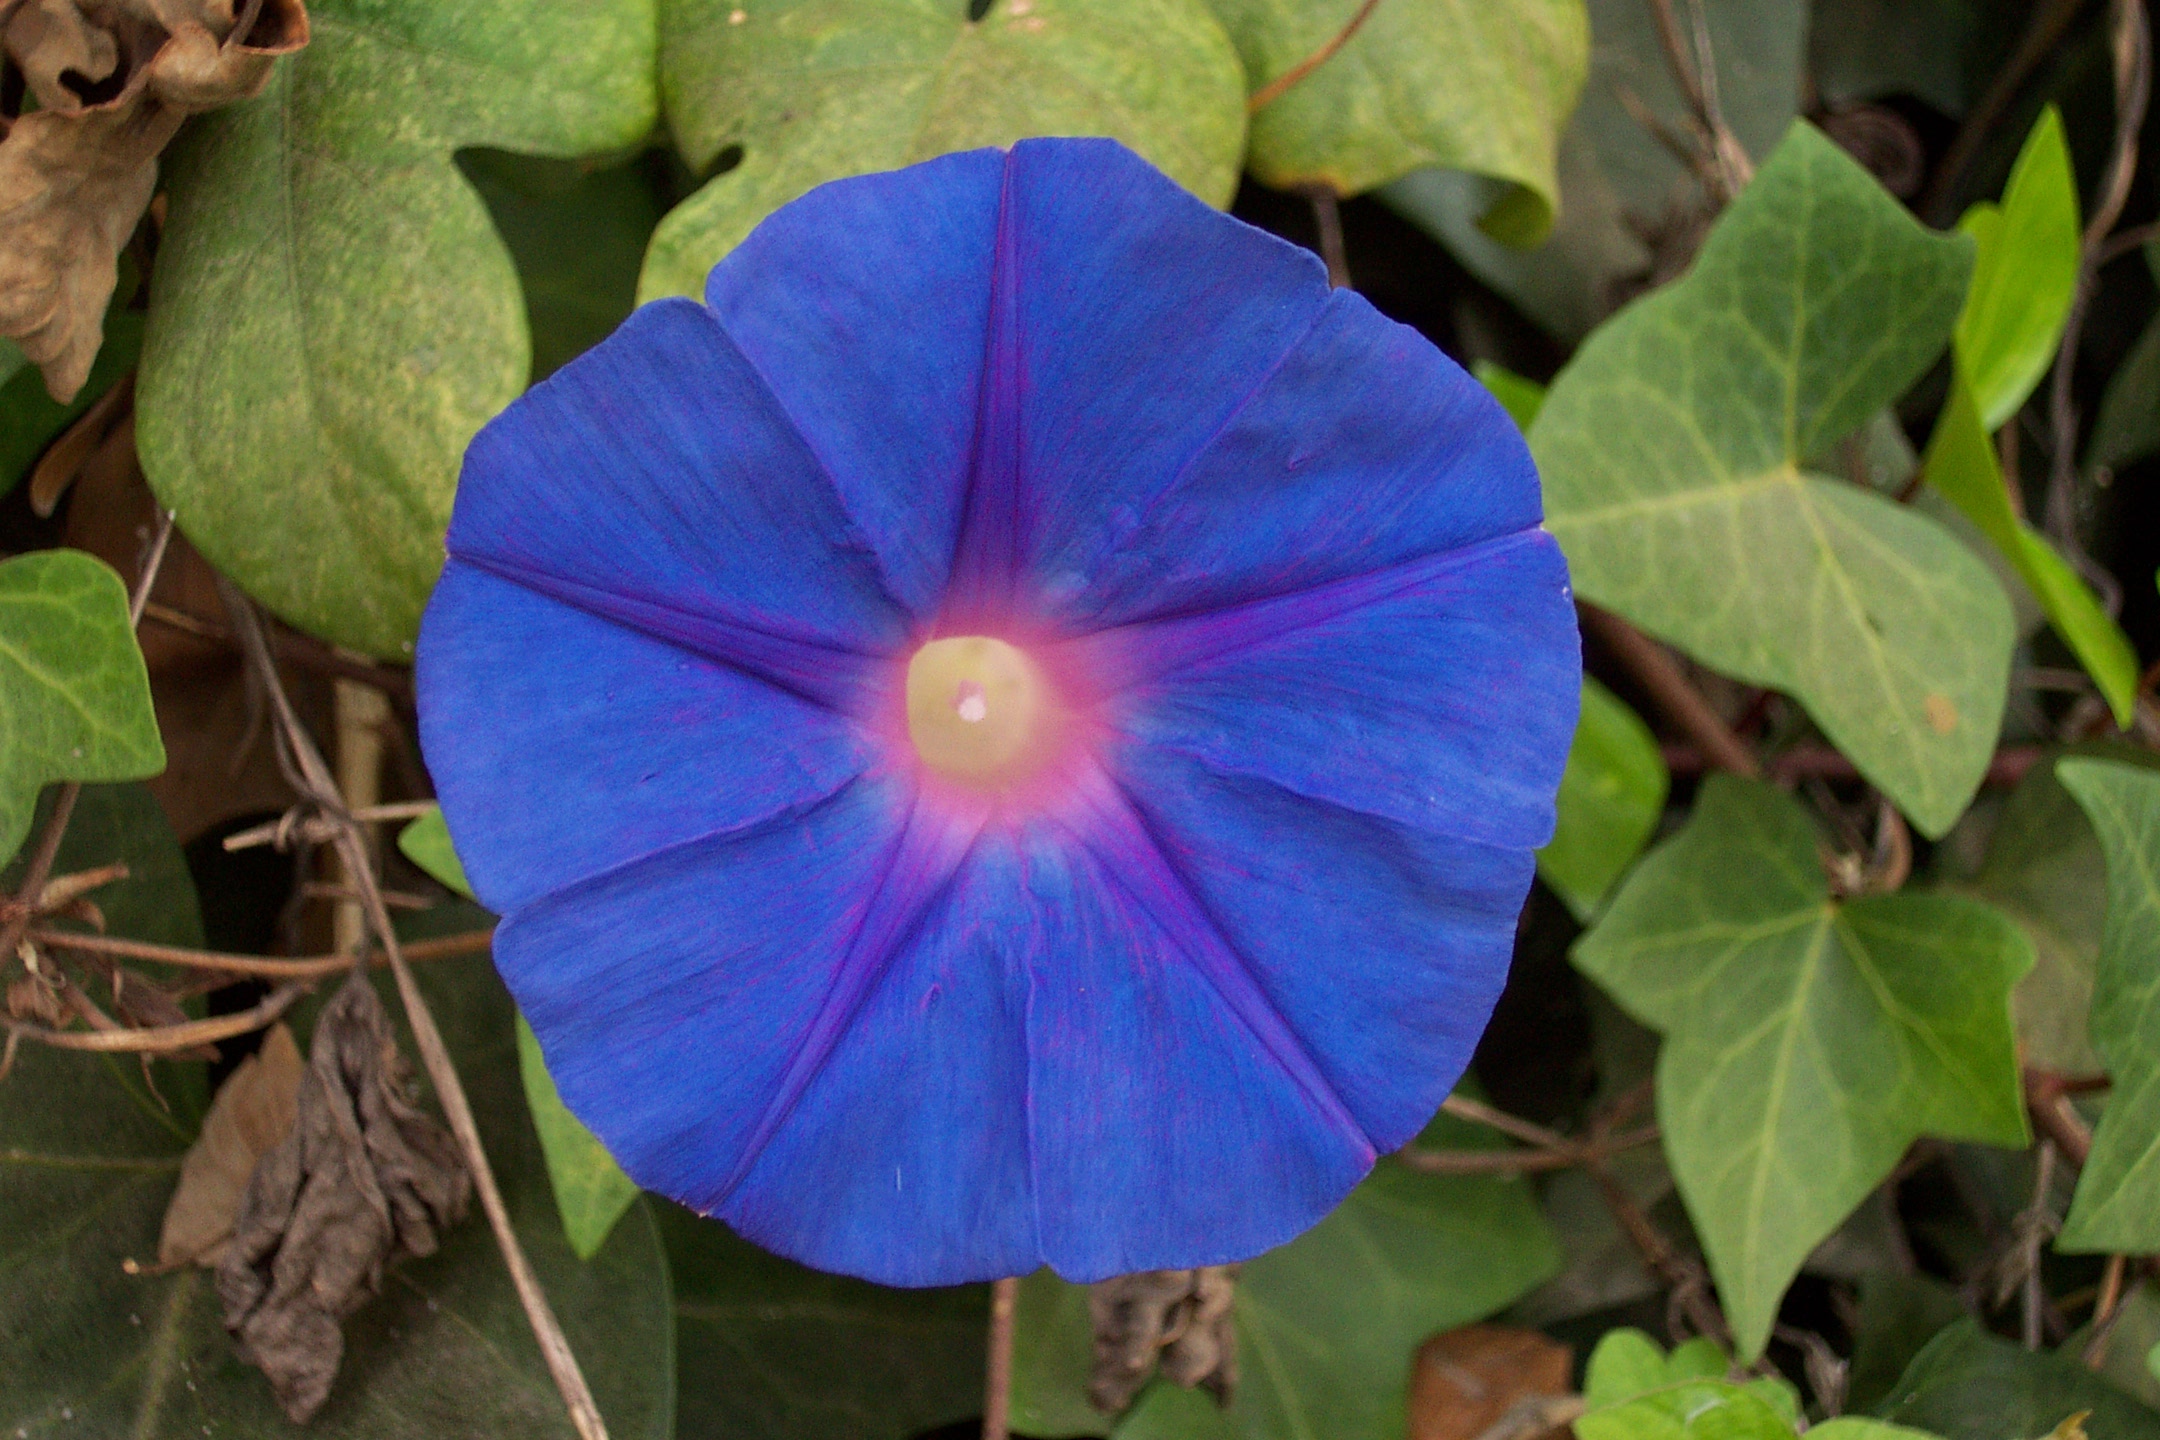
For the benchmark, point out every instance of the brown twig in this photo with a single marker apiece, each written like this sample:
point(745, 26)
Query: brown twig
point(2131, 46)
point(295, 648)
point(449, 1090)
point(2048, 23)
point(2047, 1101)
point(1725, 166)
point(1564, 1156)
point(296, 826)
point(314, 967)
point(1682, 704)
point(2107, 1310)
point(1272, 91)
point(1327, 219)
point(997, 1369)
point(152, 1039)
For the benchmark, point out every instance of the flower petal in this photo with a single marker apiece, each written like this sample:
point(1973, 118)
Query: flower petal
point(627, 745)
point(1364, 449)
point(864, 305)
point(1175, 1118)
point(1383, 948)
point(655, 480)
point(1102, 383)
point(1440, 694)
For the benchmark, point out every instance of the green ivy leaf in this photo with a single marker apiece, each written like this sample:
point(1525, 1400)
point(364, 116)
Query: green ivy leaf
point(1672, 449)
point(1611, 796)
point(333, 315)
point(1962, 464)
point(1327, 1323)
point(1450, 84)
point(2024, 275)
point(1969, 1385)
point(2117, 1206)
point(806, 91)
point(74, 695)
point(591, 1190)
point(1808, 1040)
point(88, 1160)
point(772, 1350)
point(1635, 1391)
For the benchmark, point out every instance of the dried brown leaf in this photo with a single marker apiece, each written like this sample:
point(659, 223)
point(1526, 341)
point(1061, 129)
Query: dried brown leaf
point(252, 1113)
point(113, 80)
point(1176, 1320)
point(29, 997)
point(1465, 1381)
point(363, 1179)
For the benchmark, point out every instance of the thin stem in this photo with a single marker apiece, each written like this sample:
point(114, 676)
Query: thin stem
point(1272, 91)
point(997, 1367)
point(2107, 1311)
point(151, 1039)
point(296, 827)
point(1681, 702)
point(314, 967)
point(1478, 1112)
point(1327, 219)
point(449, 1090)
point(1526, 1162)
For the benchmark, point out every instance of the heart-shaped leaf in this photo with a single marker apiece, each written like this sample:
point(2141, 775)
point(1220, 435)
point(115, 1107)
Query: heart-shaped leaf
point(1673, 449)
point(333, 316)
point(1808, 1040)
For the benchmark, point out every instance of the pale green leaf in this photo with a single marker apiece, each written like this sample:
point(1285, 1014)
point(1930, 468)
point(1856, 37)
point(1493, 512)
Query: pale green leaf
point(2117, 1207)
point(1808, 1040)
point(770, 1350)
point(1519, 395)
point(591, 1191)
point(1477, 85)
point(1672, 449)
point(1611, 796)
point(806, 91)
point(88, 1161)
point(333, 315)
point(1962, 464)
point(1970, 1385)
point(74, 696)
point(2024, 274)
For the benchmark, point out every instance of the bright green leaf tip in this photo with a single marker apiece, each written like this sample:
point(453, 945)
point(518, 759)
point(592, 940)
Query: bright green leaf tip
point(2024, 275)
point(74, 693)
point(426, 842)
point(1809, 1040)
point(1611, 796)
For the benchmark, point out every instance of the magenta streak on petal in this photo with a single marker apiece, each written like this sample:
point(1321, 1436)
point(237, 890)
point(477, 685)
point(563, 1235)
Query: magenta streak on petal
point(814, 670)
point(1130, 852)
point(932, 846)
point(1136, 655)
point(992, 543)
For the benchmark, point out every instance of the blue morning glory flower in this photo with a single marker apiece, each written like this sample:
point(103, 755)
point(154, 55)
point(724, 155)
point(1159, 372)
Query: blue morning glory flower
point(1012, 733)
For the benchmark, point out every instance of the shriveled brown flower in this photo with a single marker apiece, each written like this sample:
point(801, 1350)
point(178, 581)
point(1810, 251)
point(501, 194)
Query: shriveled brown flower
point(113, 79)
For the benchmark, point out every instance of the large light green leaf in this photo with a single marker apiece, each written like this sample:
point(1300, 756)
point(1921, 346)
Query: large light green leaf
point(1962, 464)
point(2117, 1207)
point(806, 91)
point(1327, 1324)
point(1970, 1385)
point(591, 1190)
point(1808, 1040)
point(332, 314)
point(2024, 275)
point(773, 1351)
point(88, 1161)
point(1477, 85)
point(1618, 183)
point(1611, 795)
point(1672, 448)
point(74, 696)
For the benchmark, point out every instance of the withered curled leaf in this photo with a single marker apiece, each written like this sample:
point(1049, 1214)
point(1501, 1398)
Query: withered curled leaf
point(1177, 1320)
point(252, 1113)
point(112, 79)
point(363, 1179)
